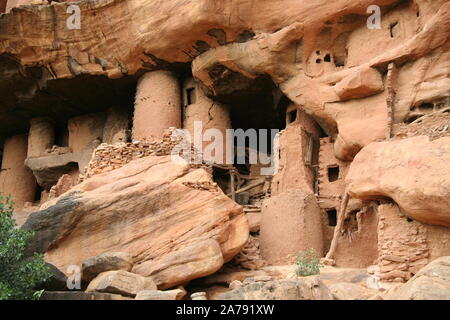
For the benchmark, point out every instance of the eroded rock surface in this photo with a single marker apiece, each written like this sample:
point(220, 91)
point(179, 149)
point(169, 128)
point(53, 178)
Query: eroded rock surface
point(120, 282)
point(339, 90)
point(413, 172)
point(295, 289)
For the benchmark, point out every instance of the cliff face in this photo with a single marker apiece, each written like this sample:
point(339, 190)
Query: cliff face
point(350, 84)
point(118, 38)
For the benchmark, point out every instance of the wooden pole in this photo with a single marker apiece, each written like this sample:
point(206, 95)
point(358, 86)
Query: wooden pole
point(248, 187)
point(339, 226)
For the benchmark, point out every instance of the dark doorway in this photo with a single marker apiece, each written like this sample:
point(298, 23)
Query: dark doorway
point(333, 173)
point(332, 217)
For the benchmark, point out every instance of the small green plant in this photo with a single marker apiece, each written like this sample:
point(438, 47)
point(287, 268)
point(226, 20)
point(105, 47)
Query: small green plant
point(19, 277)
point(308, 263)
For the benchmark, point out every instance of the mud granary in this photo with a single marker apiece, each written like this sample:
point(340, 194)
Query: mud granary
point(363, 151)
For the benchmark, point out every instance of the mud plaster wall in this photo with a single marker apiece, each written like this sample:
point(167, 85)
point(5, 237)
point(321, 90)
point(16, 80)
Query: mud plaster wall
point(213, 115)
point(15, 179)
point(405, 246)
point(291, 219)
point(296, 145)
point(157, 105)
point(357, 246)
point(332, 172)
point(397, 26)
point(290, 223)
point(85, 132)
point(40, 137)
point(330, 193)
point(116, 126)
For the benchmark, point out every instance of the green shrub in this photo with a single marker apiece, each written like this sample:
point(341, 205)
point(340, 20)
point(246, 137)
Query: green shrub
point(308, 263)
point(19, 277)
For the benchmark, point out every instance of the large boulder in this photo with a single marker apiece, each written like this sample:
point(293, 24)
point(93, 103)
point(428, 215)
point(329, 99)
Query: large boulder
point(414, 172)
point(194, 261)
point(361, 84)
point(149, 208)
point(430, 283)
point(120, 282)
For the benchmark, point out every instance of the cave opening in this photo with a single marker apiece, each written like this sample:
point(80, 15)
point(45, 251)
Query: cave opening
point(62, 135)
point(394, 30)
point(190, 96)
point(257, 110)
point(426, 107)
point(351, 223)
point(256, 105)
point(222, 177)
point(412, 118)
point(292, 116)
point(38, 193)
point(57, 99)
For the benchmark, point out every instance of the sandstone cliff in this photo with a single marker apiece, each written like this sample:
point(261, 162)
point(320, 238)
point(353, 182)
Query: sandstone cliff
point(357, 94)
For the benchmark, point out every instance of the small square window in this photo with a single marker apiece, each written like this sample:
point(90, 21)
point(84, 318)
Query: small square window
point(333, 173)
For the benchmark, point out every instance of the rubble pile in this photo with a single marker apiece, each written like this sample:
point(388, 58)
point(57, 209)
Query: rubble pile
point(109, 157)
point(202, 185)
point(250, 258)
point(434, 126)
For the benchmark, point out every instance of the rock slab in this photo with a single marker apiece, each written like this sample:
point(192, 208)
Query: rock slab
point(151, 209)
point(414, 172)
point(108, 261)
point(121, 282)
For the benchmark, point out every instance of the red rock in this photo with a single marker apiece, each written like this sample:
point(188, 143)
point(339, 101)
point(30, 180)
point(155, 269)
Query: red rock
point(413, 172)
point(120, 282)
point(144, 209)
